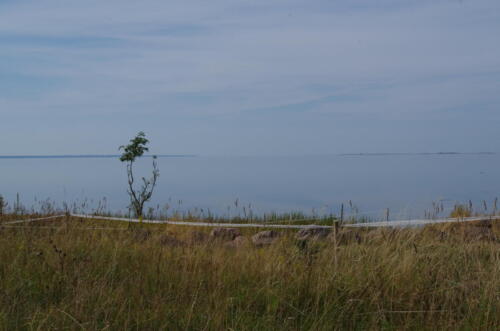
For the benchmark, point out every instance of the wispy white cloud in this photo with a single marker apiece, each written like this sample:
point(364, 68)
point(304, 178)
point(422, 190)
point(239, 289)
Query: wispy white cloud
point(242, 63)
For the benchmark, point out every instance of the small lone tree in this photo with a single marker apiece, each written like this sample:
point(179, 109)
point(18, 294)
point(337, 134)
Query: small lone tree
point(131, 152)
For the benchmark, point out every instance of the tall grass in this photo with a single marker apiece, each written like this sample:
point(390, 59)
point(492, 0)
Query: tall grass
point(61, 275)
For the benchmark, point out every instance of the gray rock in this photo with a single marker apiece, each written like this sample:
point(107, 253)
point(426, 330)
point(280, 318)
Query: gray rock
point(264, 238)
point(238, 242)
point(225, 234)
point(312, 233)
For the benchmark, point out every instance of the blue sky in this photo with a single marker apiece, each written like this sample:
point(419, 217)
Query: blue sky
point(250, 77)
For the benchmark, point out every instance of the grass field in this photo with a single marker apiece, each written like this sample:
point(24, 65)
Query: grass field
point(97, 275)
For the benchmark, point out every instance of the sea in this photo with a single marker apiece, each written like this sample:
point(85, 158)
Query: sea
point(374, 186)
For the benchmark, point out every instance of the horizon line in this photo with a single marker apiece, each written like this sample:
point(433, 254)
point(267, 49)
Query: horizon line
point(418, 153)
point(82, 156)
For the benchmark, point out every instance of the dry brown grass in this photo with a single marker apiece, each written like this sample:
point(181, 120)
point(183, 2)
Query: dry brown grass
point(65, 275)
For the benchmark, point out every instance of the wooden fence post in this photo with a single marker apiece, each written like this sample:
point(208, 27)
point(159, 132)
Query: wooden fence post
point(341, 214)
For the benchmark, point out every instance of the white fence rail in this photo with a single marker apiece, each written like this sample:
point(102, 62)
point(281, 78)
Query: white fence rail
point(404, 223)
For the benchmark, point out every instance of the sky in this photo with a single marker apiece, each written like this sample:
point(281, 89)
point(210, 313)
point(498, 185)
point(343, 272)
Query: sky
point(249, 77)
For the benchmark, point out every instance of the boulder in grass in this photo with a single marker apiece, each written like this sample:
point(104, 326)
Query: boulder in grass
point(237, 242)
point(264, 238)
point(225, 234)
point(313, 233)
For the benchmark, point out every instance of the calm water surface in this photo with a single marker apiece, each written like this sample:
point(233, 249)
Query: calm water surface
point(407, 184)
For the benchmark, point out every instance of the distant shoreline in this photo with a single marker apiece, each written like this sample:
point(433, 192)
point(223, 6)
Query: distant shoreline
point(85, 156)
point(428, 153)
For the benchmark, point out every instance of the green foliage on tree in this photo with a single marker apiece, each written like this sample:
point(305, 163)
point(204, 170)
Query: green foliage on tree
point(135, 149)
